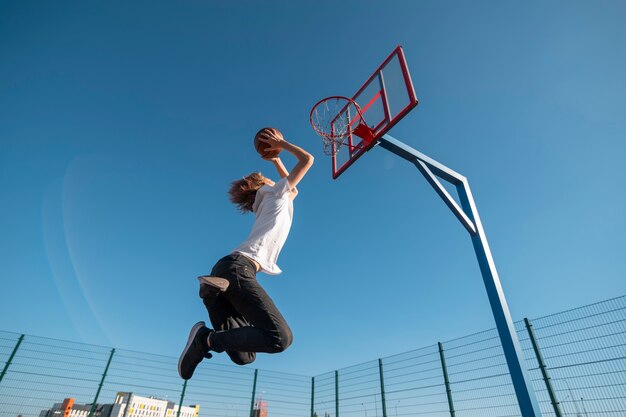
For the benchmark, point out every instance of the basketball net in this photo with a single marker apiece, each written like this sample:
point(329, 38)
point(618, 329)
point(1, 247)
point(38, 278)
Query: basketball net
point(334, 119)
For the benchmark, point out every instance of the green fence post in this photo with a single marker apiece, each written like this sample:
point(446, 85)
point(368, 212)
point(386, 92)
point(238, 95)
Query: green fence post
point(95, 400)
point(312, 396)
point(382, 387)
point(445, 379)
point(6, 366)
point(256, 373)
point(182, 395)
point(543, 368)
point(336, 393)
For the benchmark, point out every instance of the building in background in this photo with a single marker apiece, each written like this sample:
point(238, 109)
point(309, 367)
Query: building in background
point(69, 408)
point(126, 404)
point(260, 408)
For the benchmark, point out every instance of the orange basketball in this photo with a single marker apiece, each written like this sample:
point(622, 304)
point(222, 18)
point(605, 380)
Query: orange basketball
point(262, 146)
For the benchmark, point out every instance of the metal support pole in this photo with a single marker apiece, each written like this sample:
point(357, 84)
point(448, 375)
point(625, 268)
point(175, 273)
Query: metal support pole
point(336, 393)
point(467, 214)
point(182, 395)
point(544, 369)
point(504, 323)
point(312, 396)
point(445, 379)
point(256, 374)
point(106, 369)
point(382, 387)
point(6, 366)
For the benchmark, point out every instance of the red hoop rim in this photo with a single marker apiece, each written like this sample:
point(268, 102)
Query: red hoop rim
point(353, 123)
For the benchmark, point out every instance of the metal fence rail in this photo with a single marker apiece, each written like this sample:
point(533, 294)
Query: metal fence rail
point(359, 390)
point(414, 384)
point(221, 390)
point(584, 351)
point(479, 379)
point(324, 398)
point(39, 372)
point(576, 360)
point(285, 395)
point(43, 371)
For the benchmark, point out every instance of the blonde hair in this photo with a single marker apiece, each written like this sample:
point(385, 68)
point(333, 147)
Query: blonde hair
point(243, 192)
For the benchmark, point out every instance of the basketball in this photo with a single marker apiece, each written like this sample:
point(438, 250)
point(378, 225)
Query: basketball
point(262, 146)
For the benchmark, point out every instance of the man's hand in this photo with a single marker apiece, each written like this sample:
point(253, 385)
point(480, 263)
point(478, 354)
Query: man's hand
point(273, 159)
point(274, 139)
point(276, 142)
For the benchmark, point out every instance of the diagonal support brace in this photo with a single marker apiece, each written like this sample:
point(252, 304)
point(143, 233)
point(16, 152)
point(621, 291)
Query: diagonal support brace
point(445, 196)
point(433, 171)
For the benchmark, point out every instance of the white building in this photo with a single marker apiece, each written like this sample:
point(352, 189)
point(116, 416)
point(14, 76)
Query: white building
point(128, 404)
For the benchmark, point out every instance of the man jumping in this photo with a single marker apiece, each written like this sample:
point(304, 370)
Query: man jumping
point(244, 318)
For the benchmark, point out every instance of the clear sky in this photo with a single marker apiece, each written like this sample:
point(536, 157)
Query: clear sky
point(122, 124)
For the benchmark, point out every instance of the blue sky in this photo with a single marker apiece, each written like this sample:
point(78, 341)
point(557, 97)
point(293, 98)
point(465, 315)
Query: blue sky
point(122, 124)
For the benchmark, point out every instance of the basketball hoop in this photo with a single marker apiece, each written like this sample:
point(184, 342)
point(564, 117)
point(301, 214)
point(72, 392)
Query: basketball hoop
point(334, 119)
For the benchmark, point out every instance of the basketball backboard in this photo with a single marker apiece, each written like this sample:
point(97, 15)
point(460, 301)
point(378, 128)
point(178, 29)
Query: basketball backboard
point(385, 98)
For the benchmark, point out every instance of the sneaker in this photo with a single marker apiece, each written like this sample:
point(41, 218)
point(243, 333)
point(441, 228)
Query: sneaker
point(195, 350)
point(212, 286)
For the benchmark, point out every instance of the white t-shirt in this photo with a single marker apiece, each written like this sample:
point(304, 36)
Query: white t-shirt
point(273, 209)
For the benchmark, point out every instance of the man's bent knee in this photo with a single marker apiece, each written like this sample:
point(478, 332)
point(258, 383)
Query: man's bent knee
point(242, 358)
point(283, 339)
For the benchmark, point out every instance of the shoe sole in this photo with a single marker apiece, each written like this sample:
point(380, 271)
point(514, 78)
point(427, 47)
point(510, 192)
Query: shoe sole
point(192, 335)
point(220, 284)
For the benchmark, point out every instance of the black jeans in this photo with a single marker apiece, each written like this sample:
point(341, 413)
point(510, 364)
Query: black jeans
point(244, 317)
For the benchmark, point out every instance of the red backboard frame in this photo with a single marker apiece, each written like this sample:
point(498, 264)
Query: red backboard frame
point(365, 136)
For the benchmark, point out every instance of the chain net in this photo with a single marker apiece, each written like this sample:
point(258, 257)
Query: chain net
point(334, 119)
